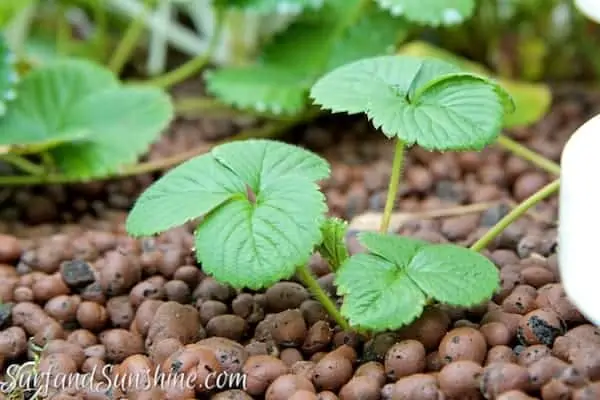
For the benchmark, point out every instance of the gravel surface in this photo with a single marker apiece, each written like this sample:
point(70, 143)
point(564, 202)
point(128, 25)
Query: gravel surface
point(73, 281)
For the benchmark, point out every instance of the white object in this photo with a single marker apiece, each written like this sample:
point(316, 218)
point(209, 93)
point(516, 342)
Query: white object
point(579, 219)
point(590, 8)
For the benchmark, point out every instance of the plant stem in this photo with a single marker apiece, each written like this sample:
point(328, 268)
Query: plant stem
point(516, 212)
point(529, 155)
point(191, 67)
point(22, 163)
point(393, 185)
point(312, 284)
point(63, 32)
point(127, 45)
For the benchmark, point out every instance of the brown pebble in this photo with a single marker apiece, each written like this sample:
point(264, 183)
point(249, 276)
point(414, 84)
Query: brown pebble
point(540, 326)
point(286, 385)
point(460, 379)
point(405, 358)
point(555, 390)
point(289, 328)
point(10, 248)
point(496, 334)
point(463, 344)
point(332, 372)
point(498, 378)
point(360, 387)
point(527, 184)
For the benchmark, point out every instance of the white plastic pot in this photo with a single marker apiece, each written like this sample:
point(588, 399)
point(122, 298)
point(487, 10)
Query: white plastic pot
point(590, 8)
point(579, 219)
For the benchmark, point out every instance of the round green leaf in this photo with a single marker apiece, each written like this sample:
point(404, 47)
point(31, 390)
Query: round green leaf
point(431, 12)
point(122, 123)
point(454, 275)
point(261, 206)
point(422, 101)
point(377, 294)
point(90, 123)
point(262, 88)
point(47, 95)
point(256, 242)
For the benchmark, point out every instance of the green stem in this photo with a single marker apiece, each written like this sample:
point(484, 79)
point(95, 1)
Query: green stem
point(393, 185)
point(312, 284)
point(23, 164)
point(63, 34)
point(125, 48)
point(100, 25)
point(516, 213)
point(191, 67)
point(529, 155)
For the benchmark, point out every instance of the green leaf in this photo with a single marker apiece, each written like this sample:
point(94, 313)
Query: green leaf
point(388, 287)
point(453, 274)
point(89, 122)
point(261, 88)
point(421, 101)
point(261, 208)
point(122, 124)
point(532, 100)
point(288, 66)
point(333, 248)
point(273, 6)
point(8, 75)
point(47, 95)
point(10, 8)
point(186, 192)
point(377, 294)
point(431, 12)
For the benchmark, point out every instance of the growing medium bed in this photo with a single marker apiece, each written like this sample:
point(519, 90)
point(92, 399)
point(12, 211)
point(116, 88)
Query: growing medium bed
point(74, 281)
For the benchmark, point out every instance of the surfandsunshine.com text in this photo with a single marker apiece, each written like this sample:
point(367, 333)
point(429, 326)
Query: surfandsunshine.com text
point(23, 378)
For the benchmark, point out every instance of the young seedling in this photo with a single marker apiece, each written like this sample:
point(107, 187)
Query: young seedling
point(432, 104)
point(262, 214)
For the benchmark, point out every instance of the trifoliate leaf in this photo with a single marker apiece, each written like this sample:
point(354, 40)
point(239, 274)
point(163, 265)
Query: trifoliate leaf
point(431, 12)
point(91, 124)
point(377, 294)
point(421, 101)
point(388, 287)
point(333, 248)
point(532, 100)
point(261, 88)
point(262, 209)
point(8, 76)
point(288, 66)
point(453, 274)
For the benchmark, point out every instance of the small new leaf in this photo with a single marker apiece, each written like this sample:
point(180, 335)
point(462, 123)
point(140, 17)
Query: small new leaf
point(333, 248)
point(431, 12)
point(422, 101)
point(8, 76)
point(388, 287)
point(261, 206)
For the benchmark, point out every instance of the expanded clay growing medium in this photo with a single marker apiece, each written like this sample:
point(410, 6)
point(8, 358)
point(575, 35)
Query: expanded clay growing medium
point(77, 284)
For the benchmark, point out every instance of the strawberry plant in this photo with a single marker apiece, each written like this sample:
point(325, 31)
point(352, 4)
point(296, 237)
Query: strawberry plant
point(261, 214)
